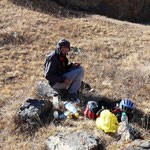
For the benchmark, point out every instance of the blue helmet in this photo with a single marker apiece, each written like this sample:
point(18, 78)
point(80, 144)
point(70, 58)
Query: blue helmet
point(126, 105)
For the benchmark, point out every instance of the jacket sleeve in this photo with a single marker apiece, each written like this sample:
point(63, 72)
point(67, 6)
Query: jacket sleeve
point(51, 72)
point(69, 66)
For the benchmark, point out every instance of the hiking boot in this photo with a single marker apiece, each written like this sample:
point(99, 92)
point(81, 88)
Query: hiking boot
point(62, 93)
point(73, 98)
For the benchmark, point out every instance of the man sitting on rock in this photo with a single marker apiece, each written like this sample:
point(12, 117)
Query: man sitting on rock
point(61, 75)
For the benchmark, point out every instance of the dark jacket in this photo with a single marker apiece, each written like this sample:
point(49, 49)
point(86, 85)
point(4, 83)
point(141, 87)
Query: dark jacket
point(54, 68)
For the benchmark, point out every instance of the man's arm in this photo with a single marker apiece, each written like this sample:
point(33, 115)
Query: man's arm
point(69, 66)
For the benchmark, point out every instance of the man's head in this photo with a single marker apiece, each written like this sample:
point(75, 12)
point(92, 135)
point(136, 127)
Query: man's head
point(63, 47)
point(64, 50)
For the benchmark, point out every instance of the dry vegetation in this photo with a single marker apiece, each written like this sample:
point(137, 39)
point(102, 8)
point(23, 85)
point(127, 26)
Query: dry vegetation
point(115, 55)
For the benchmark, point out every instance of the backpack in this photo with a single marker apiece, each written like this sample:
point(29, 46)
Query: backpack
point(91, 110)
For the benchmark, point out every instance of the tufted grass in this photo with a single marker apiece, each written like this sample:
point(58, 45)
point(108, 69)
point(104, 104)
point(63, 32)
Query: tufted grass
point(114, 54)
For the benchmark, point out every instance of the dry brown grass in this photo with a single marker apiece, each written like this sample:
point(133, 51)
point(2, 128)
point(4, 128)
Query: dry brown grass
point(115, 56)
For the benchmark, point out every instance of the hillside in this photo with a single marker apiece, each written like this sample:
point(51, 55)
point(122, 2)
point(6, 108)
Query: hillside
point(114, 54)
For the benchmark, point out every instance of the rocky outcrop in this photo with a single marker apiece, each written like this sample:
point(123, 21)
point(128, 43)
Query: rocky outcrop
point(139, 145)
point(44, 90)
point(74, 141)
point(127, 132)
point(36, 112)
point(132, 10)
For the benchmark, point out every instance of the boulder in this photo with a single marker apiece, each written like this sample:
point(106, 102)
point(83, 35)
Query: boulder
point(44, 90)
point(74, 141)
point(133, 10)
point(36, 112)
point(139, 145)
point(127, 132)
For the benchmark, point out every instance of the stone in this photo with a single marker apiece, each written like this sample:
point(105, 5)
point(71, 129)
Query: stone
point(127, 132)
point(36, 112)
point(145, 144)
point(134, 10)
point(44, 90)
point(132, 148)
point(74, 141)
point(76, 49)
point(139, 145)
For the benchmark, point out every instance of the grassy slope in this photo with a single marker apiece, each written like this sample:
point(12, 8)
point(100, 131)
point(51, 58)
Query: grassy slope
point(115, 56)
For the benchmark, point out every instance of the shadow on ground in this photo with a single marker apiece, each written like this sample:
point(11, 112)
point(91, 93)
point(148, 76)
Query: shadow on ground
point(63, 9)
point(48, 7)
point(139, 117)
point(86, 94)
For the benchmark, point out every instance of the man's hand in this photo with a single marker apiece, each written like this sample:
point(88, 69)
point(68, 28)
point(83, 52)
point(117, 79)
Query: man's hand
point(67, 82)
point(76, 64)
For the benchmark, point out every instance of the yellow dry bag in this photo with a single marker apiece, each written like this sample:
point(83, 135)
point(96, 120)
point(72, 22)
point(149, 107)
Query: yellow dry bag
point(107, 121)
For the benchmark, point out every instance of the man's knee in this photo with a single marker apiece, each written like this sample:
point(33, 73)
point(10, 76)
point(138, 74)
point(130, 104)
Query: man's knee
point(81, 69)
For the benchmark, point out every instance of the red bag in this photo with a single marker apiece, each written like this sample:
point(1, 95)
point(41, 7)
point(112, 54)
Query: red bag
point(91, 110)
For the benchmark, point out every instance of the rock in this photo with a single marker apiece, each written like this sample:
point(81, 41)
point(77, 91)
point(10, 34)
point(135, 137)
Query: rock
point(132, 148)
point(36, 112)
point(139, 145)
point(76, 49)
point(145, 144)
point(44, 90)
point(74, 141)
point(134, 10)
point(15, 34)
point(127, 132)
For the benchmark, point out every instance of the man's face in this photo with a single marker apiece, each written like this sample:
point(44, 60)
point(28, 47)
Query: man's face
point(64, 50)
